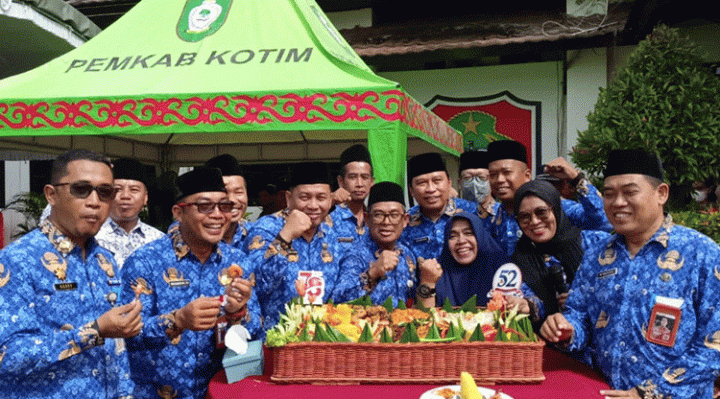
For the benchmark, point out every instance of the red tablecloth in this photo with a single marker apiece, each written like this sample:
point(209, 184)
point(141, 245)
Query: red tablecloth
point(564, 378)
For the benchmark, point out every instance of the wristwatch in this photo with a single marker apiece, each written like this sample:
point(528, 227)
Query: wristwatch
point(424, 291)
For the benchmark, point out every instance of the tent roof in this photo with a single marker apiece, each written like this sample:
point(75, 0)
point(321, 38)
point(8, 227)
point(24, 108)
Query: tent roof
point(251, 76)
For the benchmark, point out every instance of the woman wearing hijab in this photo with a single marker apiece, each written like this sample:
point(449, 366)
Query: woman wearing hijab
point(466, 266)
point(551, 248)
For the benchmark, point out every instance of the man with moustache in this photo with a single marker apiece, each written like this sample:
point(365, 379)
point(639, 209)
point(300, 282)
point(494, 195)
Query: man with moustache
point(236, 188)
point(179, 280)
point(380, 266)
point(356, 178)
point(650, 270)
point(58, 290)
point(508, 170)
point(295, 250)
point(430, 186)
point(123, 232)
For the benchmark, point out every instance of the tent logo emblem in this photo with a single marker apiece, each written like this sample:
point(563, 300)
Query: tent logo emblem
point(201, 18)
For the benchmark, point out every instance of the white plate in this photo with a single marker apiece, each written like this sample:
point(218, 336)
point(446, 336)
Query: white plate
point(486, 392)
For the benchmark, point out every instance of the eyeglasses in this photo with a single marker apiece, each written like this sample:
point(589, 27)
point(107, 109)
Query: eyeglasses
point(208, 207)
point(379, 217)
point(80, 189)
point(542, 213)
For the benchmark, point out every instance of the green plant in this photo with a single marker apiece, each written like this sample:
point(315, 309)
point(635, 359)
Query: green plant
point(706, 222)
point(665, 101)
point(30, 205)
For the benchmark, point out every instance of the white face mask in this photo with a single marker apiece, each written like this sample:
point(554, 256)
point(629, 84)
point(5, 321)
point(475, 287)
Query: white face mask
point(700, 196)
point(475, 189)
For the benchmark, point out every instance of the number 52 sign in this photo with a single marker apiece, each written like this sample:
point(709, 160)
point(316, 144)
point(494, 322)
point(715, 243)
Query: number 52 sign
point(508, 280)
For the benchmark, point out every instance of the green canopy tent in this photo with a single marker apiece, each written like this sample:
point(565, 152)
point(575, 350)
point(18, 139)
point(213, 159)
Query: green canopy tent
point(175, 82)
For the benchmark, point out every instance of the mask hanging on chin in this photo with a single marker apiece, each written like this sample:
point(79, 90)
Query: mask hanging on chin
point(475, 189)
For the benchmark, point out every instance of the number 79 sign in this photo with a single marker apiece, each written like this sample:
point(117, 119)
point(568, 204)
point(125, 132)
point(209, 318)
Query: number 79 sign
point(314, 285)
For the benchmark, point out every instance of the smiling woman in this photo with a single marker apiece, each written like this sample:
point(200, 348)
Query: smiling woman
point(551, 248)
point(468, 261)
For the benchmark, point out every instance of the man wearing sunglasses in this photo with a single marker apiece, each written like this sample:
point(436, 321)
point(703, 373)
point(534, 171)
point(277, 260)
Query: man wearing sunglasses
point(59, 291)
point(236, 188)
point(507, 164)
point(295, 250)
point(123, 232)
point(380, 266)
point(185, 281)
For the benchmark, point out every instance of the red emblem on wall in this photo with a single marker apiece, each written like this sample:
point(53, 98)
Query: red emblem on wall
point(500, 116)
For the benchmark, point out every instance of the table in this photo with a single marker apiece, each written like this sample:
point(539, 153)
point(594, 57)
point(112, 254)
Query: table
point(565, 377)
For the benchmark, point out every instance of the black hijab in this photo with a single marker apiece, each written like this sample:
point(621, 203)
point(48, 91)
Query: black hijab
point(566, 246)
point(460, 282)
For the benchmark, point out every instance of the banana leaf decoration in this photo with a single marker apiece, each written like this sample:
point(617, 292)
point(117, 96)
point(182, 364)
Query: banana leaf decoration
point(320, 334)
point(401, 305)
point(336, 335)
point(455, 332)
point(388, 305)
point(470, 305)
point(447, 306)
point(477, 334)
point(433, 333)
point(386, 337)
point(366, 335)
point(410, 334)
point(501, 336)
point(305, 335)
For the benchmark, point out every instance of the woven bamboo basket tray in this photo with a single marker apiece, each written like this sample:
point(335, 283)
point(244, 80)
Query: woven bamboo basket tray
point(432, 363)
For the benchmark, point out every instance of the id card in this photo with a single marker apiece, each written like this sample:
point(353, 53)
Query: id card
point(664, 321)
point(314, 286)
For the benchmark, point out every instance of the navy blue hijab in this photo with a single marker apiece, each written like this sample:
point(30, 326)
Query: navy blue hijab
point(460, 282)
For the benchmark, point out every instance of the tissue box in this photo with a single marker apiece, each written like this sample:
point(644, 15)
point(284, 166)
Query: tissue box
point(250, 363)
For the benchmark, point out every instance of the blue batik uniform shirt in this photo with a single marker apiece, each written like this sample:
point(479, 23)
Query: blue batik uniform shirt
point(277, 265)
point(168, 276)
point(425, 237)
point(345, 227)
point(121, 243)
point(587, 213)
point(50, 298)
point(241, 232)
point(610, 306)
point(399, 283)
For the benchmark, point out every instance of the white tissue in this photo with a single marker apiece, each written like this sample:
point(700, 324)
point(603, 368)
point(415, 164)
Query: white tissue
point(236, 338)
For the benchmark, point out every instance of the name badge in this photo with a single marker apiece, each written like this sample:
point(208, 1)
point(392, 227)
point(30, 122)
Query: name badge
point(114, 281)
point(313, 283)
point(664, 321)
point(345, 239)
point(65, 286)
point(507, 279)
point(179, 283)
point(422, 239)
point(607, 273)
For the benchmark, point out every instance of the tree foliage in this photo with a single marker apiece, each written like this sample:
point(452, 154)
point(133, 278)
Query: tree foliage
point(665, 101)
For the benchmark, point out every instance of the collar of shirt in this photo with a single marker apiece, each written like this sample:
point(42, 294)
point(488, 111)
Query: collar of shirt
point(450, 210)
point(138, 229)
point(58, 240)
point(662, 236)
point(180, 247)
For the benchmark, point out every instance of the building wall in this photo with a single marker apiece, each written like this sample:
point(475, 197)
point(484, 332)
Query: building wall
point(531, 82)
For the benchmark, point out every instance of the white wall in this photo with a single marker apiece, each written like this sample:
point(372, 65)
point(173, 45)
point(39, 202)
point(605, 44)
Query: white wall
point(531, 82)
point(17, 180)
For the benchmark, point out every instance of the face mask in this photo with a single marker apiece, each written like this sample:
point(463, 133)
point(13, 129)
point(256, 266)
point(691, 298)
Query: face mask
point(699, 196)
point(475, 189)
